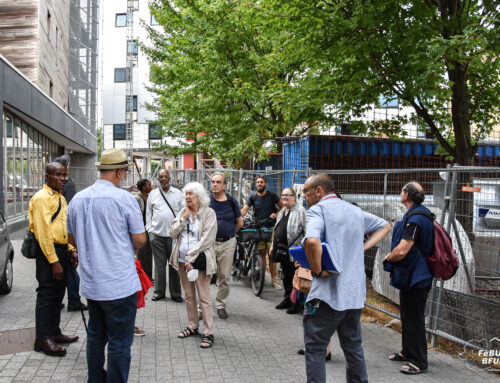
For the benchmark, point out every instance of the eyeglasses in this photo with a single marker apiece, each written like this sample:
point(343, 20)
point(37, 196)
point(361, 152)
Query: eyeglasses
point(287, 195)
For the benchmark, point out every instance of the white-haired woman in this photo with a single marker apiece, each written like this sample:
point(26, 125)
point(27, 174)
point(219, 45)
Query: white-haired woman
point(195, 229)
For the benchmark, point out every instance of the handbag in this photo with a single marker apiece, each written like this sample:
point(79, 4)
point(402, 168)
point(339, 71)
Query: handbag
point(200, 263)
point(30, 246)
point(302, 280)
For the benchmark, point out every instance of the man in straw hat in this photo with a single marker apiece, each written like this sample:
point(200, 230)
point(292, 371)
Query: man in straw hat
point(105, 225)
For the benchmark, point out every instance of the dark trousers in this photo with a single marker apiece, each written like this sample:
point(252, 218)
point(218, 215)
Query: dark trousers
point(319, 328)
point(412, 306)
point(73, 286)
point(162, 249)
point(145, 256)
point(112, 323)
point(288, 269)
point(50, 293)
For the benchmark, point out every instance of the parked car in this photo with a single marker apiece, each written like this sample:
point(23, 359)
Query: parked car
point(6, 258)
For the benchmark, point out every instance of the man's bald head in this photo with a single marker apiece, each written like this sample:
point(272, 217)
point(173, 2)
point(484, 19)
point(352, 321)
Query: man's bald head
point(415, 192)
point(322, 180)
point(53, 167)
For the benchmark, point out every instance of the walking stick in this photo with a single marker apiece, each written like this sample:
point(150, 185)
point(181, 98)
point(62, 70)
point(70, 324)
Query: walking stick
point(78, 291)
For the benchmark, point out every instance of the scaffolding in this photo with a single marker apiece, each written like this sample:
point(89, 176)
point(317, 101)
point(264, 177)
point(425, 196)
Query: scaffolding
point(132, 48)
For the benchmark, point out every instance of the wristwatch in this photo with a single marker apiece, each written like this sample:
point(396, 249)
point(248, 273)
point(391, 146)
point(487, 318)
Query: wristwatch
point(317, 275)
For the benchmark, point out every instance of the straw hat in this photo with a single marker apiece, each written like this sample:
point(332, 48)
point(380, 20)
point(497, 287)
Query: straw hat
point(113, 158)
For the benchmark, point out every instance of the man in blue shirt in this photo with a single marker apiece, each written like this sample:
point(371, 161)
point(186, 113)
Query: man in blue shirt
point(410, 246)
point(229, 221)
point(336, 300)
point(105, 225)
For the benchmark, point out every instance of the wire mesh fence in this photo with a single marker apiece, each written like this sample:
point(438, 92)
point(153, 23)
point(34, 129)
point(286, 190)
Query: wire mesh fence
point(464, 309)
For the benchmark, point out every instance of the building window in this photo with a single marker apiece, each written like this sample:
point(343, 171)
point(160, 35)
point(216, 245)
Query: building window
point(154, 132)
point(132, 47)
point(122, 74)
point(119, 132)
point(131, 103)
point(153, 20)
point(388, 102)
point(121, 20)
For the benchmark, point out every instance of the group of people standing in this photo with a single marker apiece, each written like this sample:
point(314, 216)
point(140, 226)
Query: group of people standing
point(105, 227)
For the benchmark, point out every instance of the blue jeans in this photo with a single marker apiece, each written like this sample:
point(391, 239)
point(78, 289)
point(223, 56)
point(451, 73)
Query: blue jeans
point(73, 295)
point(110, 322)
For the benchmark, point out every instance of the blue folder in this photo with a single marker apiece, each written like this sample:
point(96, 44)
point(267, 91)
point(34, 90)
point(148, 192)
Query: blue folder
point(298, 253)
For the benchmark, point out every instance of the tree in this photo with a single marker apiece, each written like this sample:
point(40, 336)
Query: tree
point(439, 56)
point(218, 77)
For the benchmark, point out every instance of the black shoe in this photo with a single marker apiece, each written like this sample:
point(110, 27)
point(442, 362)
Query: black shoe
point(293, 309)
point(284, 304)
point(177, 299)
point(157, 297)
point(301, 352)
point(61, 306)
point(328, 356)
point(78, 308)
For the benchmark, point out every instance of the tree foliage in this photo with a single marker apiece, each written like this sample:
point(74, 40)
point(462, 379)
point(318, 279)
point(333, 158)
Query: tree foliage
point(242, 72)
point(219, 77)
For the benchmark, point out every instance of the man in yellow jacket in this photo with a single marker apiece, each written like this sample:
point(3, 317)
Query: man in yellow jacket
point(47, 217)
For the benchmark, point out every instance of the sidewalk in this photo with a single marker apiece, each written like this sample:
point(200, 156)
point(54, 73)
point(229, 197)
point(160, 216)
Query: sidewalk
point(257, 343)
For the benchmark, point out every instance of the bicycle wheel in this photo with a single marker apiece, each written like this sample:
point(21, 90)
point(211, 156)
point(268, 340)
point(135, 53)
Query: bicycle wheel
point(257, 273)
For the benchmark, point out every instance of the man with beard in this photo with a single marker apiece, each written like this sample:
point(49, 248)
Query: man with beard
point(162, 207)
point(47, 217)
point(266, 206)
point(105, 224)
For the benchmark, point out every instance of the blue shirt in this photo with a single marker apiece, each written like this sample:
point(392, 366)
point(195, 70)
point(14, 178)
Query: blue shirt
point(226, 217)
point(343, 226)
point(101, 218)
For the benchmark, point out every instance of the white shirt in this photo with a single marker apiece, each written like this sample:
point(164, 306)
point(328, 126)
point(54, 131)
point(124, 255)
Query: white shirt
point(158, 215)
point(189, 238)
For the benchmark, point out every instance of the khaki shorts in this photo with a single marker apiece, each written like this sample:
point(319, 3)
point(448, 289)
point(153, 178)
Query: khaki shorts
point(264, 245)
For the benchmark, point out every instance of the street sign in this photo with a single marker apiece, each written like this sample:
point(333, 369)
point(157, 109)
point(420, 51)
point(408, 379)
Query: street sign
point(471, 189)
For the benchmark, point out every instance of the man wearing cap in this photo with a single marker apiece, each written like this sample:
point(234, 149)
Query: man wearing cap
point(163, 205)
point(73, 279)
point(105, 224)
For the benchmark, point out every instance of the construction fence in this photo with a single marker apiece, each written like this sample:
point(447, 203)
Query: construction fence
point(465, 200)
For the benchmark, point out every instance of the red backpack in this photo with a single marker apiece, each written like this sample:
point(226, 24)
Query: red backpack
point(443, 262)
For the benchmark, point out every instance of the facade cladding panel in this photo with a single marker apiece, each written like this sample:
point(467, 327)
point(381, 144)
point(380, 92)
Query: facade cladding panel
point(83, 61)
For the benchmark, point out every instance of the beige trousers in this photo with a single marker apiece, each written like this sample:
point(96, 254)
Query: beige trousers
point(202, 286)
point(224, 253)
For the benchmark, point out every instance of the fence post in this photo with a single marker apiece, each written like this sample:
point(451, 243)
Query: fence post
point(385, 194)
point(187, 176)
point(231, 184)
point(446, 202)
point(203, 181)
point(451, 216)
point(240, 185)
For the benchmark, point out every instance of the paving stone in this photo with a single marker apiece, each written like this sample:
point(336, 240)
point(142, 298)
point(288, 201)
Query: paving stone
point(257, 343)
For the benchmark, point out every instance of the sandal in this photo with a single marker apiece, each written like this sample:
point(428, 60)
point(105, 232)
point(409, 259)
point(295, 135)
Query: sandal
point(207, 341)
point(398, 357)
point(187, 333)
point(411, 369)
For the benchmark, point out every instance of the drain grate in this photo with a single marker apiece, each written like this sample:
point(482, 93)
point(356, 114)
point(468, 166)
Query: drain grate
point(13, 341)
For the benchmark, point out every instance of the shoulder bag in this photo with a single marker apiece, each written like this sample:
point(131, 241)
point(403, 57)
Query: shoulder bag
point(30, 244)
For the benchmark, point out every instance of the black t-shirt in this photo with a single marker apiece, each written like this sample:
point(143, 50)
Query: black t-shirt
point(280, 230)
point(226, 216)
point(264, 205)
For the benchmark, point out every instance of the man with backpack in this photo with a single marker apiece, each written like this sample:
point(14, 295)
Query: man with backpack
point(229, 221)
point(412, 243)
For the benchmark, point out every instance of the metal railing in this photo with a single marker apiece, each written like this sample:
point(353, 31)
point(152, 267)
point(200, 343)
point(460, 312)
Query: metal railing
point(466, 201)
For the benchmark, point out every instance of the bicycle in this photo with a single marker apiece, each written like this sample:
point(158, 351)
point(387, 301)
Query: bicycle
point(248, 259)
